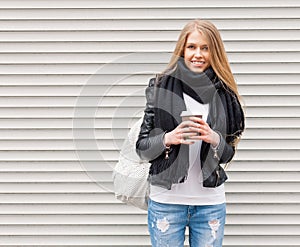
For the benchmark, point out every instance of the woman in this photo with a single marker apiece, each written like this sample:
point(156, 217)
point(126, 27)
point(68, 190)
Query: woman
point(186, 178)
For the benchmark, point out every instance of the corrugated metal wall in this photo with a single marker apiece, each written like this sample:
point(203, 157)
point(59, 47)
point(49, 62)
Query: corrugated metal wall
point(55, 98)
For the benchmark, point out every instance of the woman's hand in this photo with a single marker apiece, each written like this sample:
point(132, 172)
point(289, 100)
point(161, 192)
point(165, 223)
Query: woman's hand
point(190, 131)
point(182, 133)
point(206, 133)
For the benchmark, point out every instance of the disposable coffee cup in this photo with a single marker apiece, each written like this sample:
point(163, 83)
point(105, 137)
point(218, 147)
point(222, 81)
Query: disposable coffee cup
point(185, 115)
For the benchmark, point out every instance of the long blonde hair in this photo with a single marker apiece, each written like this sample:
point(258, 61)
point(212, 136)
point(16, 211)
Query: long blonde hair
point(218, 56)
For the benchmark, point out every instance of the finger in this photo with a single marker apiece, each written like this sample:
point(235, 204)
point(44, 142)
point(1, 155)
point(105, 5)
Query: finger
point(189, 123)
point(187, 142)
point(197, 138)
point(185, 136)
point(205, 127)
point(192, 134)
point(194, 130)
point(203, 132)
point(190, 131)
point(185, 130)
point(197, 120)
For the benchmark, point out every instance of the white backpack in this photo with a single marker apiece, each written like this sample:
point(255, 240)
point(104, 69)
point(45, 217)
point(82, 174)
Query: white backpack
point(130, 175)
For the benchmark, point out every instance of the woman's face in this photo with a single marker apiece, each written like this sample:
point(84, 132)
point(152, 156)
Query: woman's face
point(196, 52)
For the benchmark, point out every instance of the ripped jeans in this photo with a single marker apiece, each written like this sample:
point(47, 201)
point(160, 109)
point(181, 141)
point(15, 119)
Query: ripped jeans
point(167, 224)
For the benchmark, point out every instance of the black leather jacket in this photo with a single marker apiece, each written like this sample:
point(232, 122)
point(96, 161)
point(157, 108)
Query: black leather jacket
point(150, 147)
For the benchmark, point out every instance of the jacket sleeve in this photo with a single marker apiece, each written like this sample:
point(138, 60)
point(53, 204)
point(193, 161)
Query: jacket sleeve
point(150, 141)
point(224, 152)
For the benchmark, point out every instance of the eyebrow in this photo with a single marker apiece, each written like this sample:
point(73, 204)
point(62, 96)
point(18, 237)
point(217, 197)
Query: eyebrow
point(192, 43)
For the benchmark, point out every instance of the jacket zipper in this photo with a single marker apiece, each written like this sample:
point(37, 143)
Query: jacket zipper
point(167, 151)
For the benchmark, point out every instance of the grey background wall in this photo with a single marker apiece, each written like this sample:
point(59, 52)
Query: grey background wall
point(57, 150)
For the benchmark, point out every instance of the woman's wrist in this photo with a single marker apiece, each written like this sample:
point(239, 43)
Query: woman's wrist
point(166, 140)
point(216, 140)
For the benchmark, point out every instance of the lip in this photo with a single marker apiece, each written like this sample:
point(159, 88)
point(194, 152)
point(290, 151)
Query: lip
point(197, 63)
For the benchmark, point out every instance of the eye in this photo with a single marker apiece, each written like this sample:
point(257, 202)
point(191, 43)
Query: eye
point(190, 47)
point(205, 48)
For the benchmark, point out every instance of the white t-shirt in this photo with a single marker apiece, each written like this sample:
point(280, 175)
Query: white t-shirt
point(191, 192)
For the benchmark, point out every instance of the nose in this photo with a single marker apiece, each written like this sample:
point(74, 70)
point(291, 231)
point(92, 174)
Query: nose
point(198, 52)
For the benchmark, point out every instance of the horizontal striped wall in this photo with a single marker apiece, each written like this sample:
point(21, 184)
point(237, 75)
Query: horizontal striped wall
point(72, 80)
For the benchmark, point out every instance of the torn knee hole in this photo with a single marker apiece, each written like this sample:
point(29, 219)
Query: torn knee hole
point(163, 224)
point(214, 226)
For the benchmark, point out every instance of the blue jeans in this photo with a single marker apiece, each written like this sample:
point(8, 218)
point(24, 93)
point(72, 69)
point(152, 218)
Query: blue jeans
point(167, 224)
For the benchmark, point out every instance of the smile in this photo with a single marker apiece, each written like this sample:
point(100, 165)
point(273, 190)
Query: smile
point(198, 62)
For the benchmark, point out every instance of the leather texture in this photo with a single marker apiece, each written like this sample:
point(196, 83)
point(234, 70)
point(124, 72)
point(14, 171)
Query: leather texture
point(150, 143)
